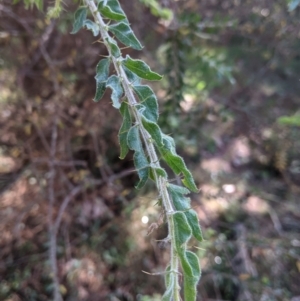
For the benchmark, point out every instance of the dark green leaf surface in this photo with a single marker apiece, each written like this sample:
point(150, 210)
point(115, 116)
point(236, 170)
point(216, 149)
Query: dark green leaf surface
point(114, 84)
point(142, 166)
point(101, 77)
point(125, 35)
point(92, 26)
point(79, 19)
point(111, 10)
point(183, 231)
point(126, 125)
point(149, 101)
point(176, 163)
point(159, 171)
point(182, 203)
point(133, 78)
point(115, 50)
point(153, 129)
point(178, 189)
point(140, 68)
point(190, 283)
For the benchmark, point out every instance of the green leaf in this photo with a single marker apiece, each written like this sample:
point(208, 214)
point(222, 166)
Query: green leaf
point(102, 71)
point(148, 99)
point(193, 221)
point(178, 189)
point(190, 283)
point(169, 280)
point(183, 231)
point(159, 171)
point(142, 166)
point(90, 25)
point(153, 129)
point(126, 125)
point(182, 234)
point(176, 163)
point(125, 35)
point(115, 50)
point(182, 203)
point(132, 77)
point(111, 10)
point(134, 140)
point(140, 68)
point(292, 5)
point(114, 83)
point(289, 120)
point(79, 19)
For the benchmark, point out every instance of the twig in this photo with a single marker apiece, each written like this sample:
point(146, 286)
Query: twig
point(52, 233)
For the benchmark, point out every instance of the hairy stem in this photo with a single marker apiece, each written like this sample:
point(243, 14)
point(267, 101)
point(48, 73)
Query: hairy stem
point(161, 182)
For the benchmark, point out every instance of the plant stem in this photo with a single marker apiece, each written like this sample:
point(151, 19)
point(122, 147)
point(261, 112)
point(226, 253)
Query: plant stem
point(161, 182)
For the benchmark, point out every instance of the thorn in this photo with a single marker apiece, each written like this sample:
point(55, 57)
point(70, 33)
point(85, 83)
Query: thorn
point(154, 274)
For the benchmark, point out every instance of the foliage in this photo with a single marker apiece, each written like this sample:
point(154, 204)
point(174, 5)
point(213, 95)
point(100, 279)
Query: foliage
point(145, 138)
point(289, 120)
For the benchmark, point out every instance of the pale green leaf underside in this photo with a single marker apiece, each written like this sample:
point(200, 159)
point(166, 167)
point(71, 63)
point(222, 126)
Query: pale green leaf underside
point(111, 10)
point(142, 166)
point(115, 50)
point(92, 26)
point(125, 35)
point(102, 71)
point(126, 125)
point(133, 139)
point(132, 77)
point(140, 68)
point(148, 100)
point(79, 19)
point(117, 91)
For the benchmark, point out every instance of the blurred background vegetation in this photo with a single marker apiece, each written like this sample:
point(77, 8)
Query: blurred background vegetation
point(229, 97)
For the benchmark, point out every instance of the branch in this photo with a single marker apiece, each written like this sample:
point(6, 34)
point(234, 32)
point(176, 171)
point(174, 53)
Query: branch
point(161, 182)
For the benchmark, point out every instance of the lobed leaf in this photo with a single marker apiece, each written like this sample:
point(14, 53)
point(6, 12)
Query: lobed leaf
point(125, 35)
point(114, 84)
point(114, 48)
point(134, 140)
point(140, 68)
point(149, 101)
point(182, 234)
point(142, 166)
point(182, 203)
point(101, 77)
point(183, 231)
point(176, 162)
point(153, 129)
point(111, 9)
point(190, 283)
point(126, 125)
point(79, 19)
